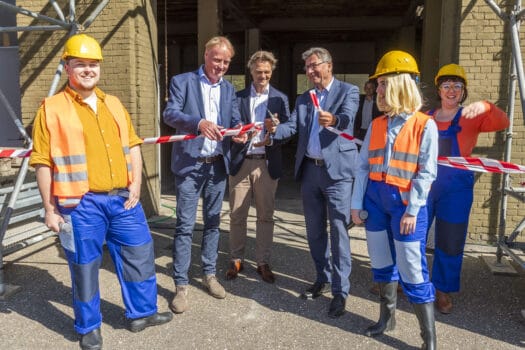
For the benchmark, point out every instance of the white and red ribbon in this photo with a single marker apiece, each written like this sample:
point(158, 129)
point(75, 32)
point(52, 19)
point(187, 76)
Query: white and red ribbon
point(315, 100)
point(317, 106)
point(14, 153)
point(224, 132)
point(484, 165)
point(22, 153)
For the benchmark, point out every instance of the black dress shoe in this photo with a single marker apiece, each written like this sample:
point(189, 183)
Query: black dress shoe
point(140, 324)
point(337, 306)
point(91, 340)
point(316, 290)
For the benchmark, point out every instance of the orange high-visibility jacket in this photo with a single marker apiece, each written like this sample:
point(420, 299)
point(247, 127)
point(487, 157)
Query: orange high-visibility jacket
point(403, 162)
point(70, 177)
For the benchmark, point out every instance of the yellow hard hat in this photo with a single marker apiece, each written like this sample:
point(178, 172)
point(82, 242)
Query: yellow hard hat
point(82, 46)
point(451, 70)
point(396, 62)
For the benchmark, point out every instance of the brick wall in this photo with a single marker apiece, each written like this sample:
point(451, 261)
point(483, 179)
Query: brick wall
point(485, 52)
point(127, 32)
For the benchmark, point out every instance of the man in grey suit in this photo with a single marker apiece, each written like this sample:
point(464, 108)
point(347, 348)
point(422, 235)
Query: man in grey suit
point(324, 165)
point(201, 102)
point(256, 167)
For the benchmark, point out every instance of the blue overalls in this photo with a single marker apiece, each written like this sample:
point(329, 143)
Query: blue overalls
point(449, 202)
point(99, 217)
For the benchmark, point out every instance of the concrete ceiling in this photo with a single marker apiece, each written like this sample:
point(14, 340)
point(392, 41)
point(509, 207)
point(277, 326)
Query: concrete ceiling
point(348, 20)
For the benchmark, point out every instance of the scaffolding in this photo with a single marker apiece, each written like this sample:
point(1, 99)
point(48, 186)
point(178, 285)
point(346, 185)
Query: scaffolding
point(71, 25)
point(506, 244)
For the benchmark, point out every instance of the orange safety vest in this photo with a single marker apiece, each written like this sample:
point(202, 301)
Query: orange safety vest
point(403, 163)
point(68, 148)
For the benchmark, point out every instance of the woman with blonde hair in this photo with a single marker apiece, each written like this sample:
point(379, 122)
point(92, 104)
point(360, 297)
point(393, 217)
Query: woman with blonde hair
point(397, 165)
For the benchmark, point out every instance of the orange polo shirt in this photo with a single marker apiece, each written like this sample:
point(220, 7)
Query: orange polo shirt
point(106, 163)
point(494, 119)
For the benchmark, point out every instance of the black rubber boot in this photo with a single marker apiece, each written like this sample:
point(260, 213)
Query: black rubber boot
point(387, 310)
point(425, 316)
point(91, 340)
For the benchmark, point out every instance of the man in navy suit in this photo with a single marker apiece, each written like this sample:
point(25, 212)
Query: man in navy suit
point(201, 102)
point(324, 164)
point(256, 167)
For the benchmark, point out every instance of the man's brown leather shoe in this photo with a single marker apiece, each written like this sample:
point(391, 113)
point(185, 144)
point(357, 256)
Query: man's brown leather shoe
point(236, 266)
point(443, 302)
point(266, 273)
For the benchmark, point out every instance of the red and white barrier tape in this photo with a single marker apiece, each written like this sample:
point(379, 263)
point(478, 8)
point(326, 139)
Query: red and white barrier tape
point(317, 106)
point(224, 132)
point(22, 153)
point(14, 153)
point(483, 165)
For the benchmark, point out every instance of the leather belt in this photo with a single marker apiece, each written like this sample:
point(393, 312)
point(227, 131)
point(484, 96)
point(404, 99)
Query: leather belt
point(123, 192)
point(208, 160)
point(256, 156)
point(317, 162)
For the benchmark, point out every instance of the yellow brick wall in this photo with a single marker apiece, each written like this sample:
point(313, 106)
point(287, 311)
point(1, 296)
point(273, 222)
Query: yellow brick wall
point(127, 32)
point(484, 51)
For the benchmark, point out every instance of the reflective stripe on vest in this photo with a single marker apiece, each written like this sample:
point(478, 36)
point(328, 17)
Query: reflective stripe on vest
point(67, 144)
point(403, 163)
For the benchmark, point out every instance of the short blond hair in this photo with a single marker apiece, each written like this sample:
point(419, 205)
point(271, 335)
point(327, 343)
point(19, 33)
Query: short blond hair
point(262, 56)
point(220, 41)
point(401, 94)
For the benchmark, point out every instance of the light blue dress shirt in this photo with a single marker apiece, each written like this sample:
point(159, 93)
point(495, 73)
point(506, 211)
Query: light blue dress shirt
point(211, 96)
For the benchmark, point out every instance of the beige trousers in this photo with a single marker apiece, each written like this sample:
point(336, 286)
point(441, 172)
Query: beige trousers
point(252, 181)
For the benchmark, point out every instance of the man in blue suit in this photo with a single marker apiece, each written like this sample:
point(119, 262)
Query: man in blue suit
point(324, 165)
point(256, 167)
point(201, 102)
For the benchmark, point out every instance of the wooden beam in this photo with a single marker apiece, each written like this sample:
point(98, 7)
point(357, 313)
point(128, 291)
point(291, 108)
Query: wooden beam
point(209, 24)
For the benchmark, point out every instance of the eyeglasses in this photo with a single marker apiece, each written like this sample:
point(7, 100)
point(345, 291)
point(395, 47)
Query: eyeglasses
point(313, 66)
point(447, 87)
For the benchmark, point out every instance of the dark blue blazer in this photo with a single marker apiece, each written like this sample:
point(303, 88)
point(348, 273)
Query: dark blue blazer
point(277, 103)
point(339, 154)
point(358, 132)
point(184, 111)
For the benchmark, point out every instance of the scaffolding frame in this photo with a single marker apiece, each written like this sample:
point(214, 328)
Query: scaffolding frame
point(70, 24)
point(505, 244)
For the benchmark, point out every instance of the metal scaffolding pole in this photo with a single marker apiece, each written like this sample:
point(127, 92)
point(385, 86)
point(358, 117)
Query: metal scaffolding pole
point(72, 26)
point(506, 243)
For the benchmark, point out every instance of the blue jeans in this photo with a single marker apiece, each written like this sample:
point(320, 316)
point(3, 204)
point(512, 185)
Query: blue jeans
point(209, 181)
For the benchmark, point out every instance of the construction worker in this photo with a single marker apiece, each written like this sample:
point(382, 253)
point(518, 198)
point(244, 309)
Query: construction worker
point(451, 196)
point(88, 168)
point(397, 164)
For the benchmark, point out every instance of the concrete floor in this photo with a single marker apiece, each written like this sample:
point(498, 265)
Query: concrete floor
point(256, 315)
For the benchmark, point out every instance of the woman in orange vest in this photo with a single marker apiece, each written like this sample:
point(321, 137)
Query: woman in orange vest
point(459, 128)
point(397, 164)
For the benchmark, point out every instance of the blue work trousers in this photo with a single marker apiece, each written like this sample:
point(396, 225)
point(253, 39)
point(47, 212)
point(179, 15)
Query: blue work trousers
point(393, 256)
point(100, 217)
